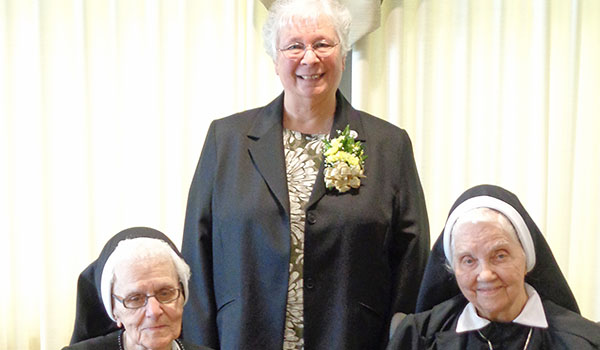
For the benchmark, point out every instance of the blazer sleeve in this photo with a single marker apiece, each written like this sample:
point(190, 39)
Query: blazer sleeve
point(199, 315)
point(410, 236)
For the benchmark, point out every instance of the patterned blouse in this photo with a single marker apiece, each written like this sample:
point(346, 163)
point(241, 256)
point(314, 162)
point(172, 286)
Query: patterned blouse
point(302, 159)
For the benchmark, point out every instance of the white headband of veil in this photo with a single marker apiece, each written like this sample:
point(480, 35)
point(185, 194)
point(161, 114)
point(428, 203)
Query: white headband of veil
point(507, 210)
point(108, 273)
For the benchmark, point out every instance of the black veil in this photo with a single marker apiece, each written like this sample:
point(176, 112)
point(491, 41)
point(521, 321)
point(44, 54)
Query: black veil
point(91, 319)
point(439, 284)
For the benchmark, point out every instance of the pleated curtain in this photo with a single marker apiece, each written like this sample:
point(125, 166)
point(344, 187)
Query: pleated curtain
point(104, 105)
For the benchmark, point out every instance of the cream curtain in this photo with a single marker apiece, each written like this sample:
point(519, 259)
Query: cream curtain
point(502, 92)
point(104, 105)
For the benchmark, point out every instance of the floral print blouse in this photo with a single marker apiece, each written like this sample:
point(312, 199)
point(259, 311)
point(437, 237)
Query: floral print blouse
point(303, 157)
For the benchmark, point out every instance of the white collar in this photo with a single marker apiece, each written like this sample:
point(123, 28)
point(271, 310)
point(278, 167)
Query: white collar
point(532, 315)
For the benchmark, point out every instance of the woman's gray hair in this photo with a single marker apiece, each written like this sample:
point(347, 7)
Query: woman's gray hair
point(140, 249)
point(284, 12)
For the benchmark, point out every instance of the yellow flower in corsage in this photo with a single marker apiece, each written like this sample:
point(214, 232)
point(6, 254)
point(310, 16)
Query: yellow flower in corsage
point(344, 161)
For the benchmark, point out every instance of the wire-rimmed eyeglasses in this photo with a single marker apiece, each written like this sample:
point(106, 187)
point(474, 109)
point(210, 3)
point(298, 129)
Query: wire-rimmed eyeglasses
point(138, 300)
point(321, 49)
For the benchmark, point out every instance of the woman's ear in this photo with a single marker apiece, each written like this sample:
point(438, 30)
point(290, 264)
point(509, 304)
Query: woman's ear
point(119, 323)
point(116, 317)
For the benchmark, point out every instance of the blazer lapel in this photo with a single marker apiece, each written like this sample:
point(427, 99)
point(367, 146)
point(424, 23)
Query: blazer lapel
point(345, 114)
point(266, 149)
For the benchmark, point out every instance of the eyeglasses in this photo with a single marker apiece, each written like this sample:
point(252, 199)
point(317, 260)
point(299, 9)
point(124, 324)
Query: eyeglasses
point(321, 49)
point(138, 300)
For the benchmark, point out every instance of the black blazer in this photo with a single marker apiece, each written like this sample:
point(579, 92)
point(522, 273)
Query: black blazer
point(365, 250)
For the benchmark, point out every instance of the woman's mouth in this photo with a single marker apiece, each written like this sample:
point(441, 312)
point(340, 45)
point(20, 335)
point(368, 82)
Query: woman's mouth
point(310, 76)
point(487, 290)
point(155, 328)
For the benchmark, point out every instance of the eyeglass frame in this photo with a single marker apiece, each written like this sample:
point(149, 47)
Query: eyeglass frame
point(147, 296)
point(307, 47)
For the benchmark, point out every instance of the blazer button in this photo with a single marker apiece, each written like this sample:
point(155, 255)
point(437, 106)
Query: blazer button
point(311, 218)
point(309, 283)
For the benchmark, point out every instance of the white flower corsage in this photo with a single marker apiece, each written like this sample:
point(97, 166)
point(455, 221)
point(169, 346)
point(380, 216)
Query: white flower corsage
point(344, 161)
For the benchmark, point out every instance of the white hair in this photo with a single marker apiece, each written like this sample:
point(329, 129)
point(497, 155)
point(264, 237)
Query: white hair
point(140, 249)
point(285, 12)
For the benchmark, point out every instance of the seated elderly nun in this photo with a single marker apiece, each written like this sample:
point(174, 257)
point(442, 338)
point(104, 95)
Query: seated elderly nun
point(132, 296)
point(491, 282)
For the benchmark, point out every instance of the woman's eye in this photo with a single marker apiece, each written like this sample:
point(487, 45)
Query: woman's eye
point(501, 255)
point(295, 47)
point(468, 261)
point(321, 45)
point(135, 297)
point(165, 292)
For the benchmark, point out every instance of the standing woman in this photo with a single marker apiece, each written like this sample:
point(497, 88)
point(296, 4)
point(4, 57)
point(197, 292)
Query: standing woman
point(297, 241)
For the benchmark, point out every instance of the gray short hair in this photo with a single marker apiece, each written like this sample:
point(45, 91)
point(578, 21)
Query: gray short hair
point(284, 12)
point(139, 249)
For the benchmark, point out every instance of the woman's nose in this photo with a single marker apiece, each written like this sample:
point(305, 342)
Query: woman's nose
point(486, 273)
point(153, 307)
point(309, 57)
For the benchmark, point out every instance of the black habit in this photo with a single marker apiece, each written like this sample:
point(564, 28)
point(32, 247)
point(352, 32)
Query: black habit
point(111, 342)
point(93, 327)
point(440, 302)
point(436, 329)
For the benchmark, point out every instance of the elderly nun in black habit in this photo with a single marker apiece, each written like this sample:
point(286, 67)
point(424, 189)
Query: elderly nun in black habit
point(132, 296)
point(491, 282)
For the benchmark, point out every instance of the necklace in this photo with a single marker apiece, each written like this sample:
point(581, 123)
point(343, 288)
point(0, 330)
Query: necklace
point(490, 343)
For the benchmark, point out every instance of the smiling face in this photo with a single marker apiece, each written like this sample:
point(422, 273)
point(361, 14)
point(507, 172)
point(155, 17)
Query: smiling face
point(155, 325)
point(489, 265)
point(310, 76)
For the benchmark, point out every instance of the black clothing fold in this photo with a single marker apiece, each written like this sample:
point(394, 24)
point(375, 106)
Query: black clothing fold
point(441, 302)
point(440, 285)
point(364, 254)
point(435, 329)
point(111, 342)
point(93, 326)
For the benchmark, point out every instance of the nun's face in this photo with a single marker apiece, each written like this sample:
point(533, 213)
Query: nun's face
point(155, 325)
point(489, 265)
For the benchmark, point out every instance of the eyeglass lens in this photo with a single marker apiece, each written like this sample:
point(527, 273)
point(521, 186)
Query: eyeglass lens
point(321, 48)
point(163, 296)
